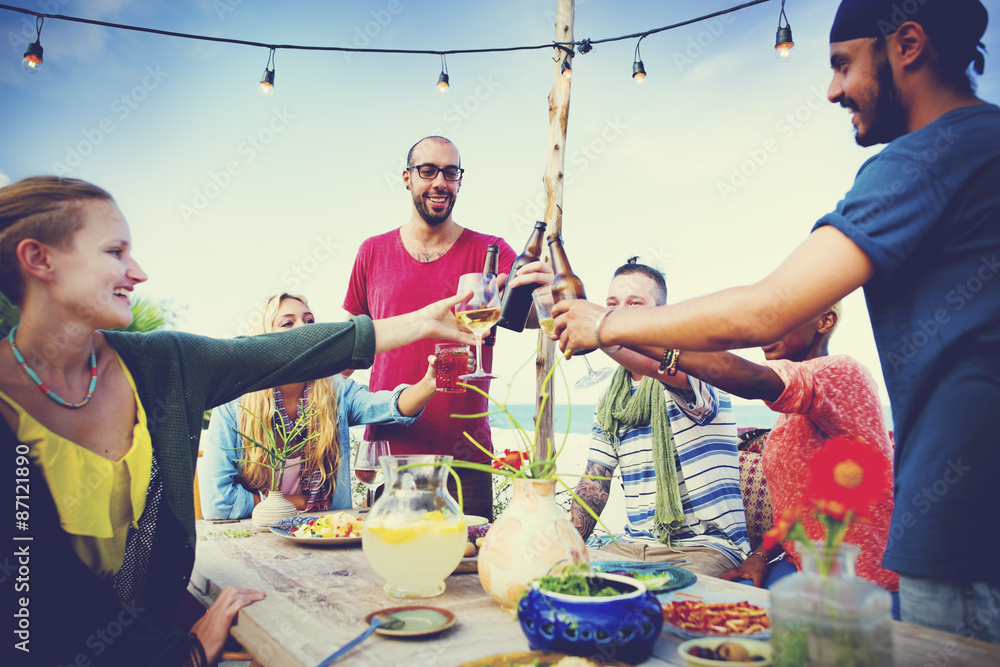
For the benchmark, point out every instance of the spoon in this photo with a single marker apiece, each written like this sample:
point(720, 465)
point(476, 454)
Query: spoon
point(378, 621)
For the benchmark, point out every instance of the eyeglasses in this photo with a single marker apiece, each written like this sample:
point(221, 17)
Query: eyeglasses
point(429, 172)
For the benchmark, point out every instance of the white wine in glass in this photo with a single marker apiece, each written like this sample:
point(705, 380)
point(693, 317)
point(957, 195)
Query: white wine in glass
point(479, 312)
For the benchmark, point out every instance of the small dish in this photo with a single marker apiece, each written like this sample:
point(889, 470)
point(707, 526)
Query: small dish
point(417, 621)
point(679, 577)
point(759, 652)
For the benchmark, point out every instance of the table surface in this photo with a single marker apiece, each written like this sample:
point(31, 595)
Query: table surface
point(317, 598)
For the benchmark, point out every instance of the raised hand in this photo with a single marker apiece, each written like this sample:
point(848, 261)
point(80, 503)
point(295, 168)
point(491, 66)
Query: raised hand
point(575, 320)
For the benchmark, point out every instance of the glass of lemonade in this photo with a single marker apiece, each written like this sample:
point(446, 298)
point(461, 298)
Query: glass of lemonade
point(415, 534)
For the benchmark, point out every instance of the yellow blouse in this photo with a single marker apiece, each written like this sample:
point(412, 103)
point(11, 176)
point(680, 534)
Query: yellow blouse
point(97, 498)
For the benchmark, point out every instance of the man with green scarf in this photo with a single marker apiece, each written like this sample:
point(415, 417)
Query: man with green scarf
point(674, 438)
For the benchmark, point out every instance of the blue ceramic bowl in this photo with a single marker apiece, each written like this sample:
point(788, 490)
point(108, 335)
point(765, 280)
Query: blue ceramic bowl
point(619, 627)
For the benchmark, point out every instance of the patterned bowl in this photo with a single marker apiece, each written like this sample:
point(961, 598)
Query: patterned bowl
point(619, 627)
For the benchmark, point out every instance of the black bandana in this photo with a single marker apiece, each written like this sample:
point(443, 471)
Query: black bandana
point(958, 22)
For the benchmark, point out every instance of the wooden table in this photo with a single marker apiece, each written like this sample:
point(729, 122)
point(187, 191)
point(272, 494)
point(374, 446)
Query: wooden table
point(316, 598)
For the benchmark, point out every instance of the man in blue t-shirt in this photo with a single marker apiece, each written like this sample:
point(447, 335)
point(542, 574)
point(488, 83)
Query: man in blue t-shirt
point(920, 230)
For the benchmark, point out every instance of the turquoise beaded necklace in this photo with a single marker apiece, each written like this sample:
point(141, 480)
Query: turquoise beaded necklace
point(41, 385)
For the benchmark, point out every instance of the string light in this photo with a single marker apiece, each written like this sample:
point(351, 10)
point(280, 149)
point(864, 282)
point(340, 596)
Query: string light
point(638, 71)
point(266, 87)
point(33, 56)
point(32, 62)
point(443, 79)
point(783, 39)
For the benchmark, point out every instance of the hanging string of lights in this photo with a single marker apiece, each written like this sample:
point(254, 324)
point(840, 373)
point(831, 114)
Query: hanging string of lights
point(33, 56)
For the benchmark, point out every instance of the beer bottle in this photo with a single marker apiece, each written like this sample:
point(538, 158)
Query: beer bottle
point(565, 285)
point(516, 304)
point(490, 267)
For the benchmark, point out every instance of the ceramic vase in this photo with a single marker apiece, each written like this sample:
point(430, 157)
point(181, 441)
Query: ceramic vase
point(528, 538)
point(824, 615)
point(271, 509)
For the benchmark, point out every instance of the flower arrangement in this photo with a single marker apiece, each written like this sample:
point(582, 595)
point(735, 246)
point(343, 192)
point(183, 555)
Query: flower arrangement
point(524, 462)
point(293, 443)
point(847, 478)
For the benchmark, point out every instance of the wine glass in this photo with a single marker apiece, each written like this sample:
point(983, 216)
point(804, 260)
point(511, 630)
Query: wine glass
point(367, 468)
point(479, 312)
point(592, 377)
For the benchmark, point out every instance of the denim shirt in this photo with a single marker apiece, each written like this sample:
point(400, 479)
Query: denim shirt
point(222, 497)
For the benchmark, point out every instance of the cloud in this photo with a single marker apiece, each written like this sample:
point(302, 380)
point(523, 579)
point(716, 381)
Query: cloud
point(4, 179)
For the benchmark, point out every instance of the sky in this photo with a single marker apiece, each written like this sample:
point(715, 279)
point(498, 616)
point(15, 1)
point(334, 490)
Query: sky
point(712, 170)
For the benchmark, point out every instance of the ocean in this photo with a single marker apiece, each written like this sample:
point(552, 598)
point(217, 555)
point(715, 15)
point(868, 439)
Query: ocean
point(582, 417)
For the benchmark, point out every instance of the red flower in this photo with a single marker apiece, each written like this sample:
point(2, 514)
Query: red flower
point(511, 457)
point(848, 476)
point(789, 517)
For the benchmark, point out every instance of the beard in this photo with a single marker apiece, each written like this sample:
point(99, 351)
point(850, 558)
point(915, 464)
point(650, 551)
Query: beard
point(881, 116)
point(433, 218)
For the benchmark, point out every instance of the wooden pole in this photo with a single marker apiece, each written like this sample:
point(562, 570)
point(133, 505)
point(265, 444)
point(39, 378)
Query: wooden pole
point(553, 181)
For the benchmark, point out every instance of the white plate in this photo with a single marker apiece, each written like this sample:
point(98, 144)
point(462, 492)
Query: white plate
point(284, 527)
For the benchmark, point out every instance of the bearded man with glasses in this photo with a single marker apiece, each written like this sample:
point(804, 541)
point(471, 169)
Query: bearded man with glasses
point(413, 264)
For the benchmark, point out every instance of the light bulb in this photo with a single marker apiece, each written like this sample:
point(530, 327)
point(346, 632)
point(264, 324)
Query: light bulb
point(32, 62)
point(266, 87)
point(783, 44)
point(638, 72)
point(567, 69)
point(442, 83)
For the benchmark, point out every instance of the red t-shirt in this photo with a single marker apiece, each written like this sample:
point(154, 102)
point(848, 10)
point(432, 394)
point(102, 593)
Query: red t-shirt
point(387, 281)
point(825, 398)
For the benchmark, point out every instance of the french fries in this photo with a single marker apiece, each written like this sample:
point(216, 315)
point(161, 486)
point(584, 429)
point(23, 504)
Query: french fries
point(721, 618)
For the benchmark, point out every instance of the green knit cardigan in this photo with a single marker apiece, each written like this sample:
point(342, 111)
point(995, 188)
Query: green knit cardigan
point(70, 612)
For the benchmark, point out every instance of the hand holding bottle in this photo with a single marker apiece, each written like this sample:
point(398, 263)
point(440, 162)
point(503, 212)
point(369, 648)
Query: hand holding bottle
point(574, 325)
point(537, 273)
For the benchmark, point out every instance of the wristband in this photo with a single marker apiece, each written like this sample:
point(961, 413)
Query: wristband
point(674, 357)
point(667, 356)
point(759, 553)
point(597, 332)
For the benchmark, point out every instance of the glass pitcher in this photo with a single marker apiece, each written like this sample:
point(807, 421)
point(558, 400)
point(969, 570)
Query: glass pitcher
point(415, 535)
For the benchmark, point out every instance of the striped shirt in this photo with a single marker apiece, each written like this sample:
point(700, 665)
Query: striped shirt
point(708, 471)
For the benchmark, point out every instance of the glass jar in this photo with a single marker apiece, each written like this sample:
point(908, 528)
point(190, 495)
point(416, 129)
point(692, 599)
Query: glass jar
point(414, 535)
point(833, 618)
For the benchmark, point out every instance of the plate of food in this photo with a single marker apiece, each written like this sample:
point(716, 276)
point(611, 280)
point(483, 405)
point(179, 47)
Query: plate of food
point(477, 527)
point(326, 530)
point(693, 619)
point(658, 577)
point(541, 659)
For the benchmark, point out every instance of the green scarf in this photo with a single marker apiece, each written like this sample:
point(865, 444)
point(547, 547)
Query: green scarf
point(648, 405)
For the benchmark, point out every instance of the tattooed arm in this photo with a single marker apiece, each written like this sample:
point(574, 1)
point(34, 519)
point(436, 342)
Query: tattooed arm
point(595, 493)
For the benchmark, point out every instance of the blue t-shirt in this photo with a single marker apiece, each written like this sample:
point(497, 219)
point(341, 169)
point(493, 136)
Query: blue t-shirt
point(926, 210)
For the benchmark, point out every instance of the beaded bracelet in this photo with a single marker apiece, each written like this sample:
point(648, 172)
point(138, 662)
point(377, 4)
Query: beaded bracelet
point(668, 355)
point(597, 332)
point(674, 358)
